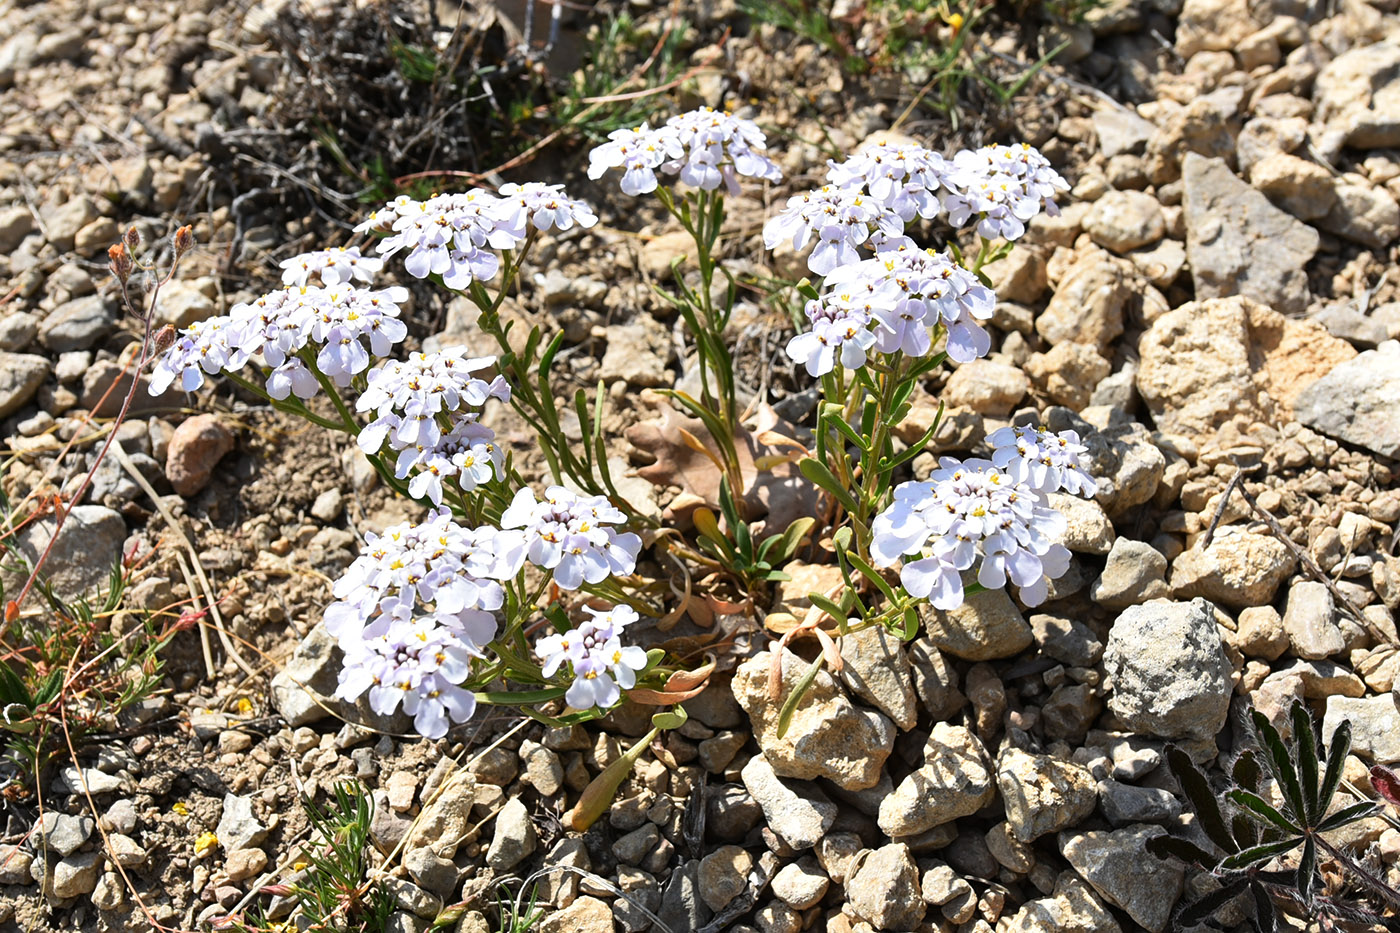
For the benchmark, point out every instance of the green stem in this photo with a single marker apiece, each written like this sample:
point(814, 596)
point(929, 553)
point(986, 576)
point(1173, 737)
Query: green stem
point(287, 405)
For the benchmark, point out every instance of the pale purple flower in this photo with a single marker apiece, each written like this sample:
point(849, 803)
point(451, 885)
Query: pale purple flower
point(717, 148)
point(840, 220)
point(904, 178)
point(840, 329)
point(452, 235)
point(202, 348)
point(336, 266)
point(408, 395)
point(1045, 461)
point(544, 207)
point(569, 534)
point(602, 666)
point(639, 153)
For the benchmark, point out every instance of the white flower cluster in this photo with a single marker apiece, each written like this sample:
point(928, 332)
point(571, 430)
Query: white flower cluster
point(602, 666)
point(890, 303)
point(413, 610)
point(704, 148)
point(453, 235)
point(343, 324)
point(996, 509)
point(336, 266)
point(871, 196)
point(569, 534)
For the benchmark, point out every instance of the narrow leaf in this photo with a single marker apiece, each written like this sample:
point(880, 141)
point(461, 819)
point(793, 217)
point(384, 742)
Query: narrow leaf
point(1257, 806)
point(1265, 917)
point(1336, 759)
point(1188, 852)
point(1307, 870)
point(1201, 797)
point(1307, 760)
point(1387, 784)
point(792, 539)
point(1207, 905)
point(871, 574)
point(798, 692)
point(1260, 853)
point(1348, 814)
point(819, 473)
point(1284, 771)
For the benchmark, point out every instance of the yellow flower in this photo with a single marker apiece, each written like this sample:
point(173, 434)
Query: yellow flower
point(180, 808)
point(206, 843)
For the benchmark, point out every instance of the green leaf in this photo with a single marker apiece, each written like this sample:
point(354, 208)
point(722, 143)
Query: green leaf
point(1201, 797)
point(1348, 814)
point(1260, 853)
point(1206, 906)
point(1176, 847)
point(1307, 760)
point(791, 539)
point(520, 697)
point(1336, 759)
point(798, 692)
point(833, 609)
point(1307, 870)
point(1284, 771)
point(1260, 808)
point(871, 574)
point(842, 538)
point(12, 689)
point(911, 623)
point(819, 473)
point(673, 718)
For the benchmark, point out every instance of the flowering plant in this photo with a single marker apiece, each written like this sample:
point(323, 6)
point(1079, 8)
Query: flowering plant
point(438, 616)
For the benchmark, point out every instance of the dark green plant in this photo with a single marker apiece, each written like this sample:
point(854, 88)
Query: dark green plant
point(518, 914)
point(1248, 834)
point(753, 562)
point(335, 893)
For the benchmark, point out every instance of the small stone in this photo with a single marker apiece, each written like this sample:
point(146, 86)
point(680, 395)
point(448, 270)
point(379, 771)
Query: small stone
point(828, 736)
point(416, 901)
point(14, 865)
point(1068, 641)
point(1375, 726)
point(62, 222)
point(724, 875)
point(78, 324)
point(125, 851)
point(446, 821)
point(1123, 804)
point(1124, 220)
point(1120, 130)
point(185, 301)
point(1010, 852)
point(799, 816)
point(637, 353)
point(16, 222)
point(328, 505)
point(1240, 568)
point(238, 828)
point(1259, 633)
point(1043, 794)
point(986, 386)
point(1167, 670)
point(954, 781)
point(63, 833)
point(543, 769)
point(682, 907)
point(1073, 907)
point(1122, 871)
point(633, 847)
point(242, 864)
point(585, 915)
point(877, 670)
point(1362, 213)
point(430, 871)
point(1310, 620)
point(884, 890)
point(197, 446)
point(1304, 189)
point(801, 884)
point(95, 237)
point(1088, 530)
point(1067, 372)
point(76, 875)
point(1088, 303)
point(401, 786)
point(716, 753)
point(1358, 401)
point(120, 817)
point(985, 627)
point(778, 918)
point(302, 691)
point(1134, 573)
point(21, 374)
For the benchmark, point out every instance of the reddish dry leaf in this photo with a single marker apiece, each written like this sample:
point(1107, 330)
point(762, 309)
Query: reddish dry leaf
point(1387, 784)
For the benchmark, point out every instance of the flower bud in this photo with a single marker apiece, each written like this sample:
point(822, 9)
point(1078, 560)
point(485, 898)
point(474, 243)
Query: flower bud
point(183, 240)
point(132, 238)
point(163, 339)
point(119, 261)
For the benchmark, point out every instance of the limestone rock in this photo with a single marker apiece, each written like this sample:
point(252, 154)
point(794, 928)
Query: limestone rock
point(985, 627)
point(1088, 303)
point(82, 558)
point(1375, 726)
point(954, 781)
point(1358, 99)
point(1068, 372)
point(1213, 25)
point(1122, 871)
point(21, 374)
point(1073, 908)
point(724, 874)
point(1302, 188)
point(1043, 794)
point(1358, 401)
point(1167, 670)
point(1239, 243)
point(877, 670)
point(77, 324)
point(1362, 213)
point(987, 387)
point(883, 889)
point(1310, 621)
point(800, 816)
point(1240, 568)
point(1125, 220)
point(514, 839)
point(1088, 529)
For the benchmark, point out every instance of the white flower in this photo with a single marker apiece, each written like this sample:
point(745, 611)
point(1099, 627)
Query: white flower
point(1043, 460)
point(336, 266)
point(1004, 186)
point(452, 235)
point(639, 153)
point(717, 148)
point(408, 395)
point(568, 533)
point(382, 220)
point(904, 178)
point(840, 322)
point(961, 510)
point(201, 348)
point(841, 219)
point(602, 666)
point(544, 207)
point(468, 453)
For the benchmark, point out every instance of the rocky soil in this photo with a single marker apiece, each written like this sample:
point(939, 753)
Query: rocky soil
point(1217, 303)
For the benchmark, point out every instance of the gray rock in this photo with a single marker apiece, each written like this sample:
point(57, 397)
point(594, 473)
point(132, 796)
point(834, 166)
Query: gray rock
point(954, 781)
point(883, 889)
point(1358, 401)
point(1375, 725)
point(447, 820)
point(1240, 568)
point(62, 222)
point(801, 884)
point(15, 224)
point(1068, 641)
point(1125, 220)
point(1358, 99)
point(1088, 530)
point(414, 899)
point(78, 324)
point(1310, 620)
point(514, 839)
point(1119, 867)
point(21, 374)
point(633, 847)
point(682, 907)
point(724, 875)
point(637, 353)
point(1120, 130)
point(430, 871)
point(72, 780)
point(64, 833)
point(238, 828)
point(1167, 670)
point(1043, 794)
point(82, 558)
point(877, 670)
point(1365, 214)
point(1073, 908)
point(120, 817)
point(985, 627)
point(302, 691)
point(1134, 573)
point(935, 680)
point(76, 875)
point(1088, 303)
point(1123, 804)
point(1240, 244)
point(828, 736)
point(800, 816)
point(14, 865)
